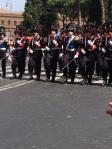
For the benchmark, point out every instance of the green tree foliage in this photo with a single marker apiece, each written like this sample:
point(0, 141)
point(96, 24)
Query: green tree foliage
point(47, 12)
point(39, 12)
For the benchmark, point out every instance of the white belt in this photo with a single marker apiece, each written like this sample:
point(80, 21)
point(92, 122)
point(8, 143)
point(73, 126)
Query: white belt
point(72, 50)
point(3, 49)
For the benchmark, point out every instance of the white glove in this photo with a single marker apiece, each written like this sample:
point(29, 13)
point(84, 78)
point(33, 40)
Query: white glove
point(37, 43)
point(83, 51)
point(103, 50)
point(110, 42)
point(31, 51)
point(90, 43)
point(47, 48)
point(42, 49)
point(61, 54)
point(18, 41)
point(76, 56)
point(55, 42)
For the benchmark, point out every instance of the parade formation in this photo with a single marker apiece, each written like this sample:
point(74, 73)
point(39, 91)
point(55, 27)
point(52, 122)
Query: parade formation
point(86, 50)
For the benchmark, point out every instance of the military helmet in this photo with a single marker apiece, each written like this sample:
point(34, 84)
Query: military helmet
point(71, 27)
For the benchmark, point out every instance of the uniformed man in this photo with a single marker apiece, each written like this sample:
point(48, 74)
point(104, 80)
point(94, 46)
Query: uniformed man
point(35, 55)
point(87, 58)
point(107, 59)
point(99, 56)
point(51, 54)
point(19, 53)
point(3, 53)
point(71, 45)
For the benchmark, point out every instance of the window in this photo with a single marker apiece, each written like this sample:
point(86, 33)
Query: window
point(15, 23)
point(2, 22)
point(8, 22)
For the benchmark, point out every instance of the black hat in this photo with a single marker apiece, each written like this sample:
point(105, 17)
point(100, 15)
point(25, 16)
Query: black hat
point(71, 27)
point(110, 26)
point(107, 26)
point(21, 30)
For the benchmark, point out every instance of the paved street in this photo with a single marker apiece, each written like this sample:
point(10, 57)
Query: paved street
point(43, 115)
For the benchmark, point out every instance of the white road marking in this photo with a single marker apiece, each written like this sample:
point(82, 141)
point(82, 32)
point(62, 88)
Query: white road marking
point(59, 76)
point(14, 86)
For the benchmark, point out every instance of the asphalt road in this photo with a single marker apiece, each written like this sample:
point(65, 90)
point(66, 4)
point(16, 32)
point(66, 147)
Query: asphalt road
point(43, 115)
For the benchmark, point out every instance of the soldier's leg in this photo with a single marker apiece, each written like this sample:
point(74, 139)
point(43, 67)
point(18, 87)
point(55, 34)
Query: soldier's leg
point(47, 66)
point(72, 71)
point(91, 71)
point(38, 68)
point(105, 69)
point(14, 66)
point(3, 63)
point(20, 66)
point(110, 73)
point(66, 69)
point(53, 68)
point(31, 65)
point(83, 70)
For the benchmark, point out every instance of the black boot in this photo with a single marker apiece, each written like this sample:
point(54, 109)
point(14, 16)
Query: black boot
point(72, 80)
point(104, 83)
point(38, 78)
point(65, 80)
point(30, 77)
point(84, 81)
point(90, 81)
point(20, 76)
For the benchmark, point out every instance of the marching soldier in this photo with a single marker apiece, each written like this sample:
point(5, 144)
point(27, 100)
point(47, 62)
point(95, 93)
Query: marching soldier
point(35, 55)
point(107, 59)
point(99, 56)
point(3, 53)
point(87, 58)
point(51, 54)
point(71, 45)
point(19, 54)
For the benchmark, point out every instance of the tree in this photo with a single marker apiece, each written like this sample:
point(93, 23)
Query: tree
point(32, 13)
point(102, 7)
point(79, 13)
point(38, 12)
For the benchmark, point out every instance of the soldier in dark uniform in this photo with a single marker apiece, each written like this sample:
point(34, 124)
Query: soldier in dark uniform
point(51, 54)
point(19, 54)
point(71, 45)
point(87, 58)
point(99, 56)
point(61, 58)
point(3, 53)
point(35, 55)
point(107, 60)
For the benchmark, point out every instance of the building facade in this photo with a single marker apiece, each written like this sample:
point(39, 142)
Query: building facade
point(10, 20)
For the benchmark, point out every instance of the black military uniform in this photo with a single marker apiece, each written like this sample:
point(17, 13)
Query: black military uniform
point(51, 54)
point(107, 59)
point(3, 51)
point(19, 55)
point(35, 55)
point(99, 55)
point(71, 45)
point(87, 59)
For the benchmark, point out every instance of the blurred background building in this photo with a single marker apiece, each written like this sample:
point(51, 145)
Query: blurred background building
point(9, 19)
